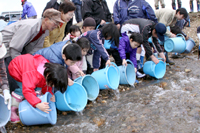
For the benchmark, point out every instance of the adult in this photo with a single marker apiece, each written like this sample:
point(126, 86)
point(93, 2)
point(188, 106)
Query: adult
point(162, 3)
point(3, 24)
point(174, 4)
point(28, 10)
point(78, 4)
point(126, 9)
point(55, 4)
point(67, 11)
point(97, 9)
point(192, 7)
point(27, 36)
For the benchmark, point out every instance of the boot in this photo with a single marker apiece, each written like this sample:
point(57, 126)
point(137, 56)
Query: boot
point(138, 74)
point(191, 6)
point(167, 59)
point(16, 99)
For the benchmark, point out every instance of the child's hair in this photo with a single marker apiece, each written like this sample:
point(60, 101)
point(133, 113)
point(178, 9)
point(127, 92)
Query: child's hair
point(74, 28)
point(83, 43)
point(67, 6)
point(56, 76)
point(182, 11)
point(73, 52)
point(110, 30)
point(137, 37)
point(176, 30)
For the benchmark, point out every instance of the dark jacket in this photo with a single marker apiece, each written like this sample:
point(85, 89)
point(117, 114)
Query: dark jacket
point(97, 10)
point(144, 26)
point(126, 9)
point(77, 2)
point(52, 4)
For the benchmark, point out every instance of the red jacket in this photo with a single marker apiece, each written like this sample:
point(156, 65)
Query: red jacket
point(23, 69)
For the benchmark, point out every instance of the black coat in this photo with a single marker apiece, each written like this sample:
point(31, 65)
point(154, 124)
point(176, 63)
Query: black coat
point(97, 10)
point(51, 4)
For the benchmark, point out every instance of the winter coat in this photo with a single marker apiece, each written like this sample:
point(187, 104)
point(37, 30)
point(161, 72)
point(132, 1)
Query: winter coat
point(28, 10)
point(126, 9)
point(73, 71)
point(77, 2)
point(125, 47)
point(97, 10)
point(25, 69)
point(144, 27)
point(17, 37)
point(53, 53)
point(52, 4)
point(97, 40)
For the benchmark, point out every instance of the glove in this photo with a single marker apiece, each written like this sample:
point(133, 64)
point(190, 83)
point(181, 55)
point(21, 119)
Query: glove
point(7, 98)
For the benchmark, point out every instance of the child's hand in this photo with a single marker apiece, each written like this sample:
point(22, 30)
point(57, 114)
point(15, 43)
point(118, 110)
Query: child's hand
point(95, 69)
point(154, 59)
point(108, 62)
point(53, 99)
point(44, 107)
point(81, 73)
point(70, 82)
point(162, 56)
point(135, 70)
point(124, 62)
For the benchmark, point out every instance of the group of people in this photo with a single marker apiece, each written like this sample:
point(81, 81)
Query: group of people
point(40, 58)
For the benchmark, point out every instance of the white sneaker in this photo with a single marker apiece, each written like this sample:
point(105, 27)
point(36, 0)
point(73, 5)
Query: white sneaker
point(140, 75)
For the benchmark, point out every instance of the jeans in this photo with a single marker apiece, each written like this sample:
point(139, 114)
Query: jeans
point(78, 13)
point(174, 4)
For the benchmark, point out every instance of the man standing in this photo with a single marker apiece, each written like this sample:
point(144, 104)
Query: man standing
point(78, 4)
point(157, 4)
point(174, 4)
point(28, 10)
point(192, 7)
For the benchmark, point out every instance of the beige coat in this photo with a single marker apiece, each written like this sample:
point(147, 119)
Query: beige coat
point(167, 17)
point(17, 37)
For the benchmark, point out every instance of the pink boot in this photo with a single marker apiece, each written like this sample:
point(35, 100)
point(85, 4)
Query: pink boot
point(14, 117)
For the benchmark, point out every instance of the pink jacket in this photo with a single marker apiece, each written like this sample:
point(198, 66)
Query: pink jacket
point(73, 71)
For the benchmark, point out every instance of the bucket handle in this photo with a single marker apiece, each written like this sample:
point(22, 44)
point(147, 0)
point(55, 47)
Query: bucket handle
point(181, 36)
point(125, 66)
point(115, 66)
point(100, 25)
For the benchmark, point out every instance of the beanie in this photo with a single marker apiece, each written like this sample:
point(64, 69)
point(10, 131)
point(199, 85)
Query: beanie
point(89, 22)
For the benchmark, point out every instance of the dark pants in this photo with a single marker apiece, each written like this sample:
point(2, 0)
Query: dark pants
point(174, 4)
point(12, 83)
point(78, 13)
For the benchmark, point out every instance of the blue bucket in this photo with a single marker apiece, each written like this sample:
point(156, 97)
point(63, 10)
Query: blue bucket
point(108, 77)
point(4, 112)
point(155, 70)
point(73, 99)
point(189, 45)
point(127, 74)
point(176, 44)
point(91, 86)
point(34, 116)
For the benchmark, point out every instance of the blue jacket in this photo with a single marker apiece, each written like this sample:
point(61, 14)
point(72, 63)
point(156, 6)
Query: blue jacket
point(126, 9)
point(125, 47)
point(97, 40)
point(53, 53)
point(28, 10)
point(77, 2)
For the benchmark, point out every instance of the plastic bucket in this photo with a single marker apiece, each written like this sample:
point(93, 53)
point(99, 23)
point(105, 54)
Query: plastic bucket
point(108, 77)
point(155, 70)
point(73, 99)
point(91, 86)
point(176, 44)
point(189, 45)
point(33, 116)
point(4, 112)
point(127, 74)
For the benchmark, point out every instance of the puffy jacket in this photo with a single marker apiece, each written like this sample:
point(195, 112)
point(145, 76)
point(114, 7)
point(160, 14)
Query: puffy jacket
point(52, 4)
point(97, 10)
point(28, 10)
point(73, 71)
point(126, 9)
point(77, 2)
point(97, 40)
point(24, 68)
point(53, 53)
point(144, 27)
point(125, 47)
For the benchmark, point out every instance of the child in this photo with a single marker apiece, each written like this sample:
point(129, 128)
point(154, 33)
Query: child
point(74, 32)
point(97, 37)
point(76, 70)
point(88, 24)
point(32, 73)
point(128, 45)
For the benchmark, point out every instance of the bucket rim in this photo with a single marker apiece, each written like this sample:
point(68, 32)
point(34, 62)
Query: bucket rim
point(125, 68)
point(1, 96)
point(107, 77)
point(155, 66)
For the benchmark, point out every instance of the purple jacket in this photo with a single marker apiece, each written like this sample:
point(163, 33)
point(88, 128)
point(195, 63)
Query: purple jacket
point(28, 10)
point(125, 47)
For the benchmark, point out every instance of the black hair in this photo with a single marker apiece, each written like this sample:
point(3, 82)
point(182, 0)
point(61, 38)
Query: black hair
point(182, 11)
point(110, 30)
point(73, 52)
point(74, 28)
point(176, 30)
point(56, 76)
point(2, 17)
point(67, 6)
point(137, 37)
point(83, 42)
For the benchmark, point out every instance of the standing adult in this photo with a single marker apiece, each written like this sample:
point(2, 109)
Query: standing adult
point(192, 7)
point(78, 4)
point(3, 24)
point(97, 9)
point(174, 4)
point(28, 10)
point(162, 3)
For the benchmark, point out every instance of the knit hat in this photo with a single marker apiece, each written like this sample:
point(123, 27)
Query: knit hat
point(53, 14)
point(89, 22)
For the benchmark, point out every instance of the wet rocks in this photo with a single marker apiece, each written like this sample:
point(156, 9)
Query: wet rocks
point(187, 70)
point(64, 113)
point(103, 101)
point(99, 121)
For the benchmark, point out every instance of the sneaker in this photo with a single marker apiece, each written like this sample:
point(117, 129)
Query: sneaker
point(140, 75)
point(14, 118)
point(170, 62)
